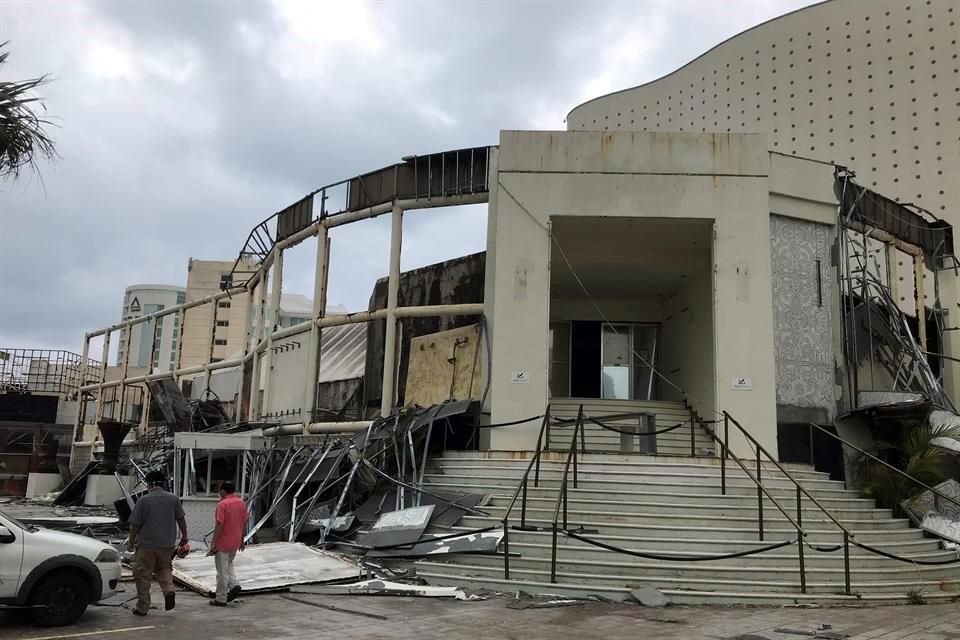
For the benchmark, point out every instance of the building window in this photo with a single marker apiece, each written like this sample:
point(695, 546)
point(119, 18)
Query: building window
point(224, 305)
point(223, 323)
point(226, 281)
point(220, 343)
point(181, 297)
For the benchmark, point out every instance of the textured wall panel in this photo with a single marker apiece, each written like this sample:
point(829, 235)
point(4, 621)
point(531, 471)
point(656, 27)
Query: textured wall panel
point(802, 313)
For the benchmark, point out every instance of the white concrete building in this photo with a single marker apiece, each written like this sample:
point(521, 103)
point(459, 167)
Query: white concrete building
point(153, 345)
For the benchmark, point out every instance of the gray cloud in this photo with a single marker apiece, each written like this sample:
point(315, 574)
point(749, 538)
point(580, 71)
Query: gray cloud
point(184, 124)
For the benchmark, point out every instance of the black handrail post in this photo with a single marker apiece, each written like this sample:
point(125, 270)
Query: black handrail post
point(506, 549)
point(536, 473)
point(800, 541)
point(565, 505)
point(759, 495)
point(583, 439)
point(523, 506)
point(846, 563)
point(723, 458)
point(553, 557)
point(693, 435)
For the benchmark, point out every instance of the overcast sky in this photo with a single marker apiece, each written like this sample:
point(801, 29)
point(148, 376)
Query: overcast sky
point(183, 124)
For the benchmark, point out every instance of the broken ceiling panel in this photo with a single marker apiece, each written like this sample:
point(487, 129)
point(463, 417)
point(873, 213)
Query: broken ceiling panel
point(265, 567)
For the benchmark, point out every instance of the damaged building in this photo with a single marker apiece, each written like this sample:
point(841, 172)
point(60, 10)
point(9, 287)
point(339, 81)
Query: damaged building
point(690, 322)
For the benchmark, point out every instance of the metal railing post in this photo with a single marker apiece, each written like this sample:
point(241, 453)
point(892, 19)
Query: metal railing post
point(726, 448)
point(583, 436)
point(553, 557)
point(693, 436)
point(523, 506)
point(803, 571)
point(846, 563)
point(506, 549)
point(759, 495)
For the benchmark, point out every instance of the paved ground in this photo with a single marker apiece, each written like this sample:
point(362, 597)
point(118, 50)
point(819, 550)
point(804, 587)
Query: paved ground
point(270, 616)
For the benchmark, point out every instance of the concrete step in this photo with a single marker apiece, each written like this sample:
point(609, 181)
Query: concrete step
point(746, 509)
point(641, 460)
point(677, 498)
point(627, 571)
point(931, 592)
point(649, 485)
point(786, 558)
point(747, 520)
point(712, 546)
point(436, 572)
point(551, 474)
point(773, 532)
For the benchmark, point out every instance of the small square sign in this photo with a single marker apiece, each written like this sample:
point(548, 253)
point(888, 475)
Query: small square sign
point(742, 383)
point(520, 377)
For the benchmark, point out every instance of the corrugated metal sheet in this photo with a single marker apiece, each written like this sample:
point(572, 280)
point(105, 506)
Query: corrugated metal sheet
point(343, 352)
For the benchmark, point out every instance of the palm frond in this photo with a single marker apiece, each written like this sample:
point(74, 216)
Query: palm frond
point(23, 136)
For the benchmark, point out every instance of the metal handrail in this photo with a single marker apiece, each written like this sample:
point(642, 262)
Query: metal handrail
point(786, 473)
point(888, 465)
point(847, 534)
point(524, 481)
point(562, 494)
point(757, 481)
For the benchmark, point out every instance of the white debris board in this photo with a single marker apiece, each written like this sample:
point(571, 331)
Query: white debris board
point(264, 567)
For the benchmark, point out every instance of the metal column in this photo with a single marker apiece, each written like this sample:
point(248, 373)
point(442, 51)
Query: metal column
point(393, 290)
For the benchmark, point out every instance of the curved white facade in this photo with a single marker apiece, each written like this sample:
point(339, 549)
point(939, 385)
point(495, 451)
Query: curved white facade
point(872, 85)
point(160, 340)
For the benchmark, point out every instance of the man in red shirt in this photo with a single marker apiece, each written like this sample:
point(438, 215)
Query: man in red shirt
point(227, 540)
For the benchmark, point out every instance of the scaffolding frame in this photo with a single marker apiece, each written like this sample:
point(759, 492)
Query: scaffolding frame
point(868, 303)
point(438, 180)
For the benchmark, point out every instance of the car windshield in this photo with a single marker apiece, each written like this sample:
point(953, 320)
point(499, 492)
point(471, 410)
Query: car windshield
point(16, 523)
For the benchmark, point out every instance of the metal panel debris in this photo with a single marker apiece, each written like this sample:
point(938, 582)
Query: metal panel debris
point(386, 588)
point(485, 542)
point(267, 566)
point(405, 526)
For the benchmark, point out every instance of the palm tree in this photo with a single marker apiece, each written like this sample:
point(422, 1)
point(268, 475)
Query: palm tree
point(22, 135)
point(912, 453)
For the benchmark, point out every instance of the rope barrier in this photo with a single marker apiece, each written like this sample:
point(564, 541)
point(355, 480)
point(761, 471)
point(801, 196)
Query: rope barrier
point(655, 556)
point(880, 552)
point(635, 433)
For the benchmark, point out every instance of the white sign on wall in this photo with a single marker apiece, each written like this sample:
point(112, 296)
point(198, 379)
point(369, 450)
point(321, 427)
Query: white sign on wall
point(519, 377)
point(742, 384)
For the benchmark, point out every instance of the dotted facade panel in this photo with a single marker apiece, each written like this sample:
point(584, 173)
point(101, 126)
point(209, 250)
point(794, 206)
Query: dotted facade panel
point(871, 85)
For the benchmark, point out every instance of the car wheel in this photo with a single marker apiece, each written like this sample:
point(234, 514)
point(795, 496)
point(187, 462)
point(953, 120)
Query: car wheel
point(59, 599)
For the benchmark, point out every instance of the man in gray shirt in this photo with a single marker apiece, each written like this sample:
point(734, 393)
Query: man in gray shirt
point(153, 532)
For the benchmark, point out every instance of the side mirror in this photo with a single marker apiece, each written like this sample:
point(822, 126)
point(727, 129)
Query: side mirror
point(5, 536)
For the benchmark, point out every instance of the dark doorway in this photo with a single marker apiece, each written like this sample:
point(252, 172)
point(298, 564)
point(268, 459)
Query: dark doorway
point(803, 444)
point(585, 354)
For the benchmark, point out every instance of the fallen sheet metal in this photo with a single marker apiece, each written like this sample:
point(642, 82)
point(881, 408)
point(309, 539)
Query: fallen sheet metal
point(927, 502)
point(385, 588)
point(342, 524)
point(486, 542)
point(405, 526)
point(649, 596)
point(943, 527)
point(265, 567)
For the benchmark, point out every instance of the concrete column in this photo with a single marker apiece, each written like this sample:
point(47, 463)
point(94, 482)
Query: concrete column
point(271, 323)
point(249, 335)
point(103, 374)
point(393, 291)
point(81, 405)
point(258, 336)
point(320, 275)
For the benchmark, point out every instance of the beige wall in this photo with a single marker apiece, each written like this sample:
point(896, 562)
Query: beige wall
point(700, 176)
point(203, 279)
point(688, 345)
point(870, 84)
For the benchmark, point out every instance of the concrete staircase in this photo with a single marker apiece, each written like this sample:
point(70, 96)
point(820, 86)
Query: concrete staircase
point(673, 506)
point(662, 416)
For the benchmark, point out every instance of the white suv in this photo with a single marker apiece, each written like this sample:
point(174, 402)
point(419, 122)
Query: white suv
point(54, 574)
